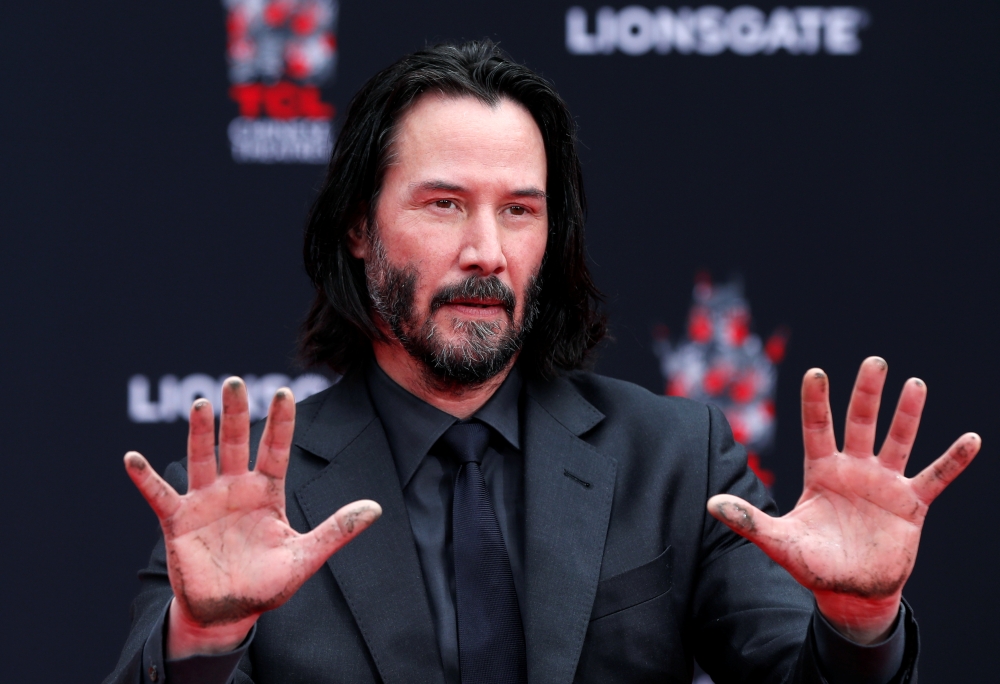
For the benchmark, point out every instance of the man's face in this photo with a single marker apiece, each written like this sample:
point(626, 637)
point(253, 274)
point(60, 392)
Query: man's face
point(461, 229)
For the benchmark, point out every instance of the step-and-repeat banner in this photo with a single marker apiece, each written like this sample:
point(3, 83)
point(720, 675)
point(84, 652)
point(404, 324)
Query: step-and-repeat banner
point(771, 188)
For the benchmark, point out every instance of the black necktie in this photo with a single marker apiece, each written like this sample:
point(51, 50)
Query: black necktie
point(490, 633)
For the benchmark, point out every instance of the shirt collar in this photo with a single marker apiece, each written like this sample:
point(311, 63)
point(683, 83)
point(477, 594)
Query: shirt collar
point(412, 426)
point(501, 411)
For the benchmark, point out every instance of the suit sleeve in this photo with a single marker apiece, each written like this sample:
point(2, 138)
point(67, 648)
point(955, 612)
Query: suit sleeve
point(752, 620)
point(142, 659)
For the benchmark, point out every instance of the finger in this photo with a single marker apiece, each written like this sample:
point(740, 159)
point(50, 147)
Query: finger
point(201, 445)
point(336, 531)
point(862, 412)
point(769, 534)
point(932, 480)
point(275, 443)
point(234, 428)
point(817, 423)
point(161, 497)
point(906, 420)
point(742, 518)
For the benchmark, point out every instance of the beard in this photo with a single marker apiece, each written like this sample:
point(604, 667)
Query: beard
point(477, 350)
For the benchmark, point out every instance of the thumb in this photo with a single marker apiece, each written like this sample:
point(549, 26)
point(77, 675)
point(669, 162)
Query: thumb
point(340, 528)
point(741, 517)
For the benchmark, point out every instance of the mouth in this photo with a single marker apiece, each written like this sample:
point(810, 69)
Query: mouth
point(477, 307)
point(476, 298)
point(482, 303)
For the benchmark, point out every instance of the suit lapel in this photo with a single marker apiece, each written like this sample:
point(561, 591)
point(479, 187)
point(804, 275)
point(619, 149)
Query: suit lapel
point(568, 492)
point(379, 572)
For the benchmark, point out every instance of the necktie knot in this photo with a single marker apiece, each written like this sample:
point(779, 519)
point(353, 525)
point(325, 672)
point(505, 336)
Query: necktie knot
point(467, 441)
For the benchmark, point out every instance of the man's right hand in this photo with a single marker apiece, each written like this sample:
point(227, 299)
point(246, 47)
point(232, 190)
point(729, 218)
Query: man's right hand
point(231, 554)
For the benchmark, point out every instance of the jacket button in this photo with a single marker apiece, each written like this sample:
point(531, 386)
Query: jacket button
point(154, 674)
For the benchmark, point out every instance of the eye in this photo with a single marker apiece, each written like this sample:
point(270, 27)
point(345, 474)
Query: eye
point(444, 204)
point(517, 210)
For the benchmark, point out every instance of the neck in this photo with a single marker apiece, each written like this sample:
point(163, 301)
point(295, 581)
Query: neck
point(460, 401)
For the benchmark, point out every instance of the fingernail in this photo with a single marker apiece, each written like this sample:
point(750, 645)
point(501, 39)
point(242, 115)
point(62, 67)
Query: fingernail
point(281, 394)
point(234, 383)
point(918, 382)
point(819, 375)
point(200, 404)
point(880, 362)
point(134, 460)
point(736, 515)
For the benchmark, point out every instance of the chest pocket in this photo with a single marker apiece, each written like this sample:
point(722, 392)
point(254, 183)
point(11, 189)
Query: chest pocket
point(635, 586)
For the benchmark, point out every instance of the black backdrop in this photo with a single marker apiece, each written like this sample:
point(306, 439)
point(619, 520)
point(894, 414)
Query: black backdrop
point(856, 194)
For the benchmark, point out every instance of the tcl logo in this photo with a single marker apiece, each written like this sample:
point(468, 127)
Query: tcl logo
point(282, 100)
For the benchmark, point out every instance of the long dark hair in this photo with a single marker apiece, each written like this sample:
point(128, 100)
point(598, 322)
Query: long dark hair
point(340, 327)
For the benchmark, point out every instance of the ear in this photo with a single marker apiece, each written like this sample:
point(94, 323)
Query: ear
point(357, 241)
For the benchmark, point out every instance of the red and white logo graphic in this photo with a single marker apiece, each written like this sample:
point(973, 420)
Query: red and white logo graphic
point(280, 52)
point(720, 361)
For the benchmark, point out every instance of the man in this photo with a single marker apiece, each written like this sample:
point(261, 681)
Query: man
point(538, 523)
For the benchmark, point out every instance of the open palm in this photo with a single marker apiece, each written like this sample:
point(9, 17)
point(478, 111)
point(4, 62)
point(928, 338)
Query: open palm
point(852, 537)
point(231, 554)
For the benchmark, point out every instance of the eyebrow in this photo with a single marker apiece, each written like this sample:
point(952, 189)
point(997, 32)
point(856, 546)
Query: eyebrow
point(530, 192)
point(452, 187)
point(437, 185)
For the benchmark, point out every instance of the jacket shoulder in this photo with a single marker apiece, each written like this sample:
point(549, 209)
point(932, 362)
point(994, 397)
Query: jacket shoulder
point(307, 409)
point(622, 401)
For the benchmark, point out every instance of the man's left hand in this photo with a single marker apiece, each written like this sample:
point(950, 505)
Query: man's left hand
point(852, 537)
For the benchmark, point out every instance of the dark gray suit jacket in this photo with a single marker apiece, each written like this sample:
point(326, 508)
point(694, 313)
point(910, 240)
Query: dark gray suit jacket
point(628, 577)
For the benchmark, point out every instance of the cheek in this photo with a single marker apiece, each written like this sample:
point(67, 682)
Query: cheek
point(410, 245)
point(530, 254)
point(529, 261)
point(435, 266)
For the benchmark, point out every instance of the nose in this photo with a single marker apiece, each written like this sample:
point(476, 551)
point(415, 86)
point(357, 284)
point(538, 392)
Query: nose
point(482, 246)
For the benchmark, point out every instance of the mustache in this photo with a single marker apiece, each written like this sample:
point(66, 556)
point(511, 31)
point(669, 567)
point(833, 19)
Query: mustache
point(476, 287)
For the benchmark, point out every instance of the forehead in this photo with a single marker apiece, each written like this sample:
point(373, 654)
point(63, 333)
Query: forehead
point(448, 136)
